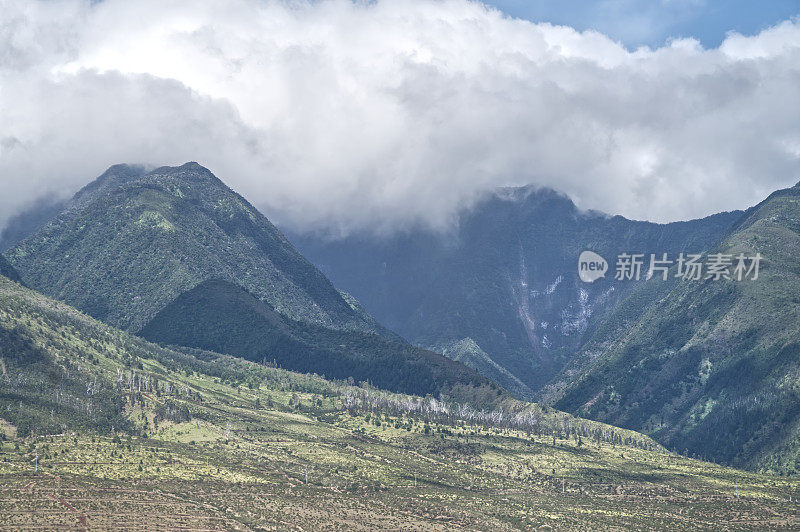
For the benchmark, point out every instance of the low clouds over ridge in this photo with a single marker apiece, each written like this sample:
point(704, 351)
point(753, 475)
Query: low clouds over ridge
point(349, 116)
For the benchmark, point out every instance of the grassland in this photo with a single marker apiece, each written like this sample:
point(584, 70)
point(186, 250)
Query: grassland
point(119, 433)
point(322, 468)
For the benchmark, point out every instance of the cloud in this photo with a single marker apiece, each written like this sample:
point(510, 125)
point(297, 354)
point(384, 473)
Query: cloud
point(371, 116)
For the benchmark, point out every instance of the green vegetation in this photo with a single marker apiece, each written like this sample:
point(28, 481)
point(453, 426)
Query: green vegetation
point(8, 270)
point(709, 368)
point(470, 354)
point(222, 317)
point(130, 243)
point(373, 431)
point(123, 433)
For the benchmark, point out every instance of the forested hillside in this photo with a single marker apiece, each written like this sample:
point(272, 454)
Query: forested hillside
point(709, 367)
point(8, 270)
point(220, 316)
point(131, 242)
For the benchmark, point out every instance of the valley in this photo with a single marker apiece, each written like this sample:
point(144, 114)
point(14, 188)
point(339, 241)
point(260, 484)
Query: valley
point(205, 441)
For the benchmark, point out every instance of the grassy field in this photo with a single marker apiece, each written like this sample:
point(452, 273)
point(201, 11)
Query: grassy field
point(104, 430)
point(317, 466)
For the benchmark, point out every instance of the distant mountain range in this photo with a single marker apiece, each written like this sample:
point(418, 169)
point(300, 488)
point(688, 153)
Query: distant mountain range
point(707, 367)
point(504, 282)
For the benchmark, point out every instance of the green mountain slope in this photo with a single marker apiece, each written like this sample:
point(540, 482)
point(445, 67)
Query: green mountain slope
point(470, 354)
point(8, 270)
point(102, 430)
point(24, 224)
point(220, 316)
point(31, 220)
point(131, 242)
point(707, 366)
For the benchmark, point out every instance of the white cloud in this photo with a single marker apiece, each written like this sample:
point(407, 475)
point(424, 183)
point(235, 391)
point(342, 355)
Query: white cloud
point(353, 116)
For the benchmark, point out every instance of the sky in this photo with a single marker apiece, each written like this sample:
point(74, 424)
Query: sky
point(653, 23)
point(337, 116)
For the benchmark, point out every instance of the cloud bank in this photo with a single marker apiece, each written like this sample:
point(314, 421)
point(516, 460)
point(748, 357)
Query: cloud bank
point(371, 116)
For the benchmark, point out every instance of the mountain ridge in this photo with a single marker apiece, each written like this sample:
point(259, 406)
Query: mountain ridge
point(132, 241)
point(223, 317)
point(506, 277)
point(7, 270)
point(707, 365)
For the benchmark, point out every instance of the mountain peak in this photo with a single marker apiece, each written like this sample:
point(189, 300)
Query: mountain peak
point(185, 167)
point(159, 233)
point(525, 193)
point(191, 169)
point(114, 176)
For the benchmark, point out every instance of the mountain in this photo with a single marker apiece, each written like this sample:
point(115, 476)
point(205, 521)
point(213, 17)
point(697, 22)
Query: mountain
point(707, 366)
point(220, 316)
point(8, 270)
point(32, 219)
point(116, 176)
point(132, 241)
point(24, 224)
point(61, 369)
point(505, 279)
point(470, 354)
